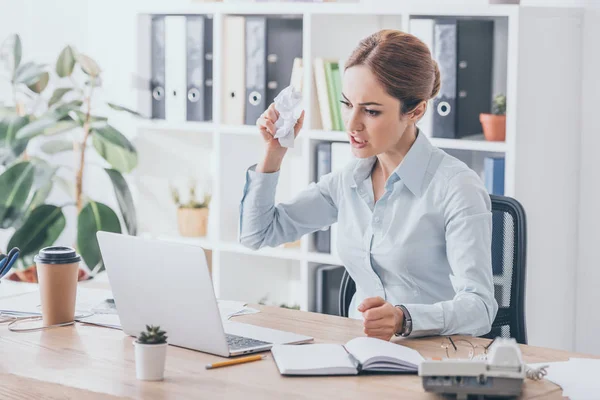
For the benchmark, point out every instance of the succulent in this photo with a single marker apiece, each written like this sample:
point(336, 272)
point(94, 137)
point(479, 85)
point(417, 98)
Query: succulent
point(152, 335)
point(499, 105)
point(192, 200)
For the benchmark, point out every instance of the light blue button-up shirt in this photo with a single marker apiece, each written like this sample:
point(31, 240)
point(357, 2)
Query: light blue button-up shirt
point(425, 244)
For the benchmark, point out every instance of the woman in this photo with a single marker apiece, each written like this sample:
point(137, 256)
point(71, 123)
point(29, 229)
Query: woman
point(416, 222)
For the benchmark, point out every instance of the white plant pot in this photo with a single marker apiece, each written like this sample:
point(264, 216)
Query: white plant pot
point(150, 361)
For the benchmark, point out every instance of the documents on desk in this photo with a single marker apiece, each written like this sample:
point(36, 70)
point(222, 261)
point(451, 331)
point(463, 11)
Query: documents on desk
point(578, 377)
point(92, 305)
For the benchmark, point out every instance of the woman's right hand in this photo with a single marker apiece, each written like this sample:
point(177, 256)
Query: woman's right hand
point(274, 150)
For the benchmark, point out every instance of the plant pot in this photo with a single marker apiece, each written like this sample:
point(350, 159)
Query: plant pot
point(150, 361)
point(192, 222)
point(494, 127)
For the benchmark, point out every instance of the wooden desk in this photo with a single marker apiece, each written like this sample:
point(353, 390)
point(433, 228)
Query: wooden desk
point(86, 361)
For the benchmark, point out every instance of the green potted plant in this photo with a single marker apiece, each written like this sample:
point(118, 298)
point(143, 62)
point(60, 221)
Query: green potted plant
point(150, 354)
point(494, 125)
point(192, 215)
point(39, 128)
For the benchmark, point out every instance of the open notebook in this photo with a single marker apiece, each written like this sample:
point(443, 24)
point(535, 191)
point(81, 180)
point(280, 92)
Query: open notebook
point(358, 355)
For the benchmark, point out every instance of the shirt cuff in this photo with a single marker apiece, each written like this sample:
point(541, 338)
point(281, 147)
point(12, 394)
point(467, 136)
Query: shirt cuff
point(427, 319)
point(260, 187)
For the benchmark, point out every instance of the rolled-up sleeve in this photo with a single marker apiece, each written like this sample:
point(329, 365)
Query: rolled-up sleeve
point(262, 223)
point(468, 222)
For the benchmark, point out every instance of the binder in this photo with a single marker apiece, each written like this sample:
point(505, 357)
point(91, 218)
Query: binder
point(256, 72)
point(464, 52)
point(341, 155)
point(494, 183)
point(208, 68)
point(329, 278)
point(272, 45)
point(175, 67)
point(195, 73)
point(322, 238)
point(284, 45)
point(157, 69)
point(444, 105)
point(423, 30)
point(474, 74)
point(234, 63)
point(494, 175)
point(199, 68)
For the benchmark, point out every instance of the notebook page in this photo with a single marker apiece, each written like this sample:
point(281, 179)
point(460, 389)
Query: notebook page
point(366, 348)
point(318, 359)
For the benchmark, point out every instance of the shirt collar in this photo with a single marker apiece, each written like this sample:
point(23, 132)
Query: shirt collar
point(411, 170)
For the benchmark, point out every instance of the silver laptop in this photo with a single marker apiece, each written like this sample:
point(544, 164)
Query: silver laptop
point(157, 282)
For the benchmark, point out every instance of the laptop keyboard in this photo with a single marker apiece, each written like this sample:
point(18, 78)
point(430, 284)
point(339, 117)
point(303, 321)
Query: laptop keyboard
point(240, 342)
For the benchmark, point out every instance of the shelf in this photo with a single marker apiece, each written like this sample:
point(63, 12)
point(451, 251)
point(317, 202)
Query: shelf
point(283, 253)
point(358, 8)
point(185, 126)
point(203, 242)
point(239, 130)
point(475, 143)
point(323, 258)
point(334, 136)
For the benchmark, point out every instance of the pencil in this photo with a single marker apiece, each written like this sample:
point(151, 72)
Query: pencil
point(235, 361)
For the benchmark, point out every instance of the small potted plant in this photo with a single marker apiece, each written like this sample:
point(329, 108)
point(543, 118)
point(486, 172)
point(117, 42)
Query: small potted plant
point(192, 215)
point(150, 354)
point(494, 125)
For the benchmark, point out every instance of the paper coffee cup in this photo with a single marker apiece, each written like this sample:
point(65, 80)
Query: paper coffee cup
point(57, 269)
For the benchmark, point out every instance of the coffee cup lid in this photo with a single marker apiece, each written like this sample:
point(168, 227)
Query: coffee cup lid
point(57, 255)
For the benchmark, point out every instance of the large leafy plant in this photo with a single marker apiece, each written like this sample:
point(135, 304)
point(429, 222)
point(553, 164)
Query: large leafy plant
point(70, 116)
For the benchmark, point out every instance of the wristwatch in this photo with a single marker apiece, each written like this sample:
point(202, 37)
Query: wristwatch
point(406, 328)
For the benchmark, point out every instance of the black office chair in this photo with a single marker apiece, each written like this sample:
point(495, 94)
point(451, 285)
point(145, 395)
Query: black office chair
point(509, 249)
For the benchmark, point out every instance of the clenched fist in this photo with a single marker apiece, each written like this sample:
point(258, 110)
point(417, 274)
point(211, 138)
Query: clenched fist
point(381, 319)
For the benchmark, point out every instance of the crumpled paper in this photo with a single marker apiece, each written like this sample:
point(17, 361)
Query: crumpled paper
point(289, 105)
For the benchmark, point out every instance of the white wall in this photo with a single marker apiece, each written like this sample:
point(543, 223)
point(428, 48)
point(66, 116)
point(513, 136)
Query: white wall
point(588, 272)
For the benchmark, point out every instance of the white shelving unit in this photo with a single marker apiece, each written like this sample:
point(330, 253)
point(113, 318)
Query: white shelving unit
point(535, 140)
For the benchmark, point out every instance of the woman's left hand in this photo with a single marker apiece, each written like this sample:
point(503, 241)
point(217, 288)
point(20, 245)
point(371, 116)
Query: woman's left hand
point(381, 319)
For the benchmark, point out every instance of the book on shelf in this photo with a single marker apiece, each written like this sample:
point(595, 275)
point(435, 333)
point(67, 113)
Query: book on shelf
point(328, 81)
point(359, 355)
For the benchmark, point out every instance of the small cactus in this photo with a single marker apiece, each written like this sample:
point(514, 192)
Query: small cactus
point(499, 105)
point(152, 335)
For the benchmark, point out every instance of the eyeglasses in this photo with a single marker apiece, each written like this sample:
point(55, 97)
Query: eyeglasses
point(464, 349)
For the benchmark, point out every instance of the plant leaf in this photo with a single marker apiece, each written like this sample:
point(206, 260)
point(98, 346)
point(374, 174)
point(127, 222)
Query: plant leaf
point(113, 136)
point(29, 73)
point(124, 199)
point(11, 147)
point(94, 217)
point(15, 185)
point(121, 108)
point(57, 146)
point(47, 123)
point(60, 127)
point(11, 52)
point(41, 229)
point(79, 116)
point(58, 95)
point(39, 86)
point(119, 158)
point(65, 62)
point(88, 65)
